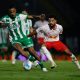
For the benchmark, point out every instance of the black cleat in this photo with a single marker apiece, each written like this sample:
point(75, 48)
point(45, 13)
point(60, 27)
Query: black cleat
point(52, 67)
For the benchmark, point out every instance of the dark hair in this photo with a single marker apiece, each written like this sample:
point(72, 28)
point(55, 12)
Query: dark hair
point(12, 6)
point(51, 16)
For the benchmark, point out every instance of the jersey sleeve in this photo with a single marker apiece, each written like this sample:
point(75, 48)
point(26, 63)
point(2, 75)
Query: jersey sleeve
point(30, 22)
point(61, 29)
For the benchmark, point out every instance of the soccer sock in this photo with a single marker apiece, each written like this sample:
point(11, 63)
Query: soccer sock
point(74, 59)
point(47, 53)
point(14, 53)
point(41, 64)
point(32, 58)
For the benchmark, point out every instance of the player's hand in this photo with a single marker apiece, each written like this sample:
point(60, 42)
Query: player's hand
point(3, 24)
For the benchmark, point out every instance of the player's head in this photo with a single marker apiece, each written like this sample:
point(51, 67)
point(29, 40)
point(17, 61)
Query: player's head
point(52, 21)
point(12, 11)
point(42, 17)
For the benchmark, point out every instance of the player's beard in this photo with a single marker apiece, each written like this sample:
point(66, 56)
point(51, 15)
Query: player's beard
point(12, 17)
point(52, 26)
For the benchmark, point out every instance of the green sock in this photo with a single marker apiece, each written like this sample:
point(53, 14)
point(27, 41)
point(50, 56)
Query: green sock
point(31, 58)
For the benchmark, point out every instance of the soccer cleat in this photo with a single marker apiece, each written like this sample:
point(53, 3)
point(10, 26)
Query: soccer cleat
point(13, 61)
point(53, 66)
point(79, 67)
point(73, 58)
point(44, 70)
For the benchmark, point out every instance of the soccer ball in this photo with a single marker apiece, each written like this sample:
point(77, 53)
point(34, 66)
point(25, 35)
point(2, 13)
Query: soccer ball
point(27, 65)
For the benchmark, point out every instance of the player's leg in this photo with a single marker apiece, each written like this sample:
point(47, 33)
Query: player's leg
point(45, 51)
point(14, 53)
point(74, 59)
point(4, 53)
point(29, 43)
point(48, 54)
point(64, 48)
point(18, 47)
point(33, 52)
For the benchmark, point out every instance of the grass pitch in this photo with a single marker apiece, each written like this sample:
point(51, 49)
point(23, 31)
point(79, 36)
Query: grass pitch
point(64, 71)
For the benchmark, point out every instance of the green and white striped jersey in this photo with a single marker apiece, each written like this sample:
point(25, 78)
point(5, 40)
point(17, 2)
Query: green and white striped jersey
point(3, 35)
point(17, 27)
point(28, 26)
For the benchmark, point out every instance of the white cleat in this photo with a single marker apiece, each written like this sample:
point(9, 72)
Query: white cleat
point(14, 61)
point(53, 66)
point(79, 67)
point(44, 70)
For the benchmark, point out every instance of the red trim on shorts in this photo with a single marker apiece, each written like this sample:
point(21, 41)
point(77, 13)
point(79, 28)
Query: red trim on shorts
point(57, 45)
point(41, 41)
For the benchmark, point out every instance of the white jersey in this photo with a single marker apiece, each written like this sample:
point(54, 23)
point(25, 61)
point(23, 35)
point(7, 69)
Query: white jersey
point(39, 24)
point(51, 34)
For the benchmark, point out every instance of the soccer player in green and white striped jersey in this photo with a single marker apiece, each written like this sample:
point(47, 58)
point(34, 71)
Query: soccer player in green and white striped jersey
point(3, 43)
point(17, 32)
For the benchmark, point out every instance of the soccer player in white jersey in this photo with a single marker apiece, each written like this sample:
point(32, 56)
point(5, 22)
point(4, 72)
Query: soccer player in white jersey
point(17, 33)
point(52, 32)
point(40, 22)
point(40, 36)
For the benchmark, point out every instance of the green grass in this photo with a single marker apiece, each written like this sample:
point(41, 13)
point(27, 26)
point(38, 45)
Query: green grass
point(64, 71)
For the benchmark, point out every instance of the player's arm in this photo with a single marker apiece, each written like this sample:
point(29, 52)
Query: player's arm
point(32, 33)
point(30, 16)
point(33, 16)
point(61, 30)
point(31, 29)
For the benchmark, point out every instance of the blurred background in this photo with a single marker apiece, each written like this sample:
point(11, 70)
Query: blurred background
point(67, 13)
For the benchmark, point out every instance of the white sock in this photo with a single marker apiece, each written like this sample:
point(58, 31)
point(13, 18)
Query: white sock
point(74, 59)
point(47, 53)
point(14, 57)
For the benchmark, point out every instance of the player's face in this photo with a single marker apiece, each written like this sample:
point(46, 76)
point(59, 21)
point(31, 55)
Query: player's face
point(12, 12)
point(52, 22)
point(42, 17)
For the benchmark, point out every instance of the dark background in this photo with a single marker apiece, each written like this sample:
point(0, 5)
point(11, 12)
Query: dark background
point(67, 13)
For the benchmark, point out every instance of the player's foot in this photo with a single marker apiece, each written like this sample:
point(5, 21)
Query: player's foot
point(44, 70)
point(14, 61)
point(53, 66)
point(79, 67)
